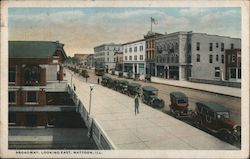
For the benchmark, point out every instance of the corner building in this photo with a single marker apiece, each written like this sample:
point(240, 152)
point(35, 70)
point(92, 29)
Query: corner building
point(193, 56)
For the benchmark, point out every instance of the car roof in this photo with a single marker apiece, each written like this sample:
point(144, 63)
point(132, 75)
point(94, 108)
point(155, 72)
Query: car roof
point(149, 88)
point(135, 84)
point(178, 94)
point(214, 106)
point(123, 81)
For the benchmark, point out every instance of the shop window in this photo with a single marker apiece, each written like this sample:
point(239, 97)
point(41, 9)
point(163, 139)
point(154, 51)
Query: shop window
point(12, 74)
point(31, 97)
point(217, 72)
point(197, 46)
point(12, 97)
point(210, 58)
point(198, 58)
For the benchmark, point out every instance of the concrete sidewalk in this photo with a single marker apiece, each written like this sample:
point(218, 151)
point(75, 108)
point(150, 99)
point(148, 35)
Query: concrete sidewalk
point(149, 130)
point(230, 91)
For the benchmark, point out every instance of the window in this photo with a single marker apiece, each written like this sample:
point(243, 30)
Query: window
point(222, 46)
point(141, 48)
point(210, 46)
point(12, 74)
point(217, 72)
point(130, 57)
point(108, 53)
point(108, 59)
point(176, 46)
point(31, 75)
point(126, 50)
point(217, 57)
point(135, 57)
point(233, 58)
point(217, 45)
point(126, 58)
point(210, 58)
point(141, 57)
point(233, 73)
point(232, 46)
point(12, 97)
point(31, 97)
point(239, 73)
point(198, 46)
point(130, 49)
point(198, 58)
point(135, 49)
point(222, 58)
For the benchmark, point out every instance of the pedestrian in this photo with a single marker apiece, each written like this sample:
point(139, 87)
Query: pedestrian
point(136, 104)
point(98, 80)
point(74, 87)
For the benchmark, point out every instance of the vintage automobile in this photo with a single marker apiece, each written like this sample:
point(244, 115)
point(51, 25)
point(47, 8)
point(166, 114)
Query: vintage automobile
point(122, 86)
point(179, 104)
point(216, 119)
point(105, 80)
point(133, 89)
point(148, 78)
point(99, 71)
point(150, 97)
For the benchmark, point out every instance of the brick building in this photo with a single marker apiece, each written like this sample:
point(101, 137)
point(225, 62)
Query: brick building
point(36, 86)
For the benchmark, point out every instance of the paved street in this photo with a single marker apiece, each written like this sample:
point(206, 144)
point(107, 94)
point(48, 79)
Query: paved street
point(150, 129)
point(233, 103)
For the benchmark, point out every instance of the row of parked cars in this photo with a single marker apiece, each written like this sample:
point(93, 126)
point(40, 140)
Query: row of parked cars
point(207, 115)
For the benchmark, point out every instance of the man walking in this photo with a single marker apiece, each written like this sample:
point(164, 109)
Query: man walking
point(136, 104)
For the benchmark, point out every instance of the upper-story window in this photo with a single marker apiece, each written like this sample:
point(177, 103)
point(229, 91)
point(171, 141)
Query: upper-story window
point(130, 58)
point(197, 46)
point(130, 49)
point(198, 57)
point(31, 97)
point(217, 57)
point(141, 48)
point(12, 74)
point(108, 53)
point(126, 58)
point(31, 75)
point(135, 57)
point(126, 50)
point(217, 45)
point(222, 46)
point(210, 46)
point(233, 58)
point(210, 58)
point(176, 46)
point(222, 58)
point(135, 49)
point(232, 46)
point(141, 57)
point(12, 97)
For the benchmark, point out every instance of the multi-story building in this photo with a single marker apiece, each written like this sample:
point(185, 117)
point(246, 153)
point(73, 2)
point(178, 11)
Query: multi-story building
point(82, 58)
point(134, 57)
point(118, 58)
point(36, 87)
point(150, 51)
point(90, 60)
point(233, 65)
point(104, 55)
point(188, 55)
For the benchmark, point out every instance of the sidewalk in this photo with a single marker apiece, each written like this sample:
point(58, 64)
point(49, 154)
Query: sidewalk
point(151, 129)
point(230, 91)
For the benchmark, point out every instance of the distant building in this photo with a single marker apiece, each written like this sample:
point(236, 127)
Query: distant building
point(82, 58)
point(150, 51)
point(233, 65)
point(36, 87)
point(118, 58)
point(90, 60)
point(195, 56)
point(134, 57)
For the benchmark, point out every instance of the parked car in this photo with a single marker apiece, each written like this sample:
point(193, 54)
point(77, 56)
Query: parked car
point(216, 119)
point(99, 71)
point(122, 86)
point(130, 75)
point(150, 97)
point(148, 78)
point(179, 104)
point(105, 80)
point(134, 88)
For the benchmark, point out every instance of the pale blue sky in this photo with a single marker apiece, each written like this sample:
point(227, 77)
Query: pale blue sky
point(80, 29)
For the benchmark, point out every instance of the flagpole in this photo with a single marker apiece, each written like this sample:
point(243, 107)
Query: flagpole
point(151, 23)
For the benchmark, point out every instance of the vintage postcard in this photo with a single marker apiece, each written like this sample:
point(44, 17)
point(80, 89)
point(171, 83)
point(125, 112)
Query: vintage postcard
point(124, 79)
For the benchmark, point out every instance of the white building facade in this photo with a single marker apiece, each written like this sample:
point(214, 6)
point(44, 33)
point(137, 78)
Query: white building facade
point(196, 56)
point(134, 58)
point(104, 55)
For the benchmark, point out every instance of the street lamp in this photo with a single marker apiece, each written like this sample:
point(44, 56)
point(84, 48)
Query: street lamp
point(90, 96)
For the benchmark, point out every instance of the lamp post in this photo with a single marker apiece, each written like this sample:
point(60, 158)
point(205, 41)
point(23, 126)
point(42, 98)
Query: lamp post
point(90, 96)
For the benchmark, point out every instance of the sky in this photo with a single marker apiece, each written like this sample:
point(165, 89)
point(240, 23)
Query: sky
point(81, 29)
